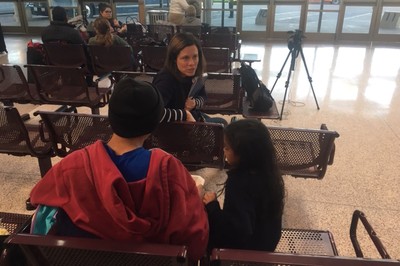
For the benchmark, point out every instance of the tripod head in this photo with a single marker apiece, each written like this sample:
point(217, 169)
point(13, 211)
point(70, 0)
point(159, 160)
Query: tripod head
point(295, 39)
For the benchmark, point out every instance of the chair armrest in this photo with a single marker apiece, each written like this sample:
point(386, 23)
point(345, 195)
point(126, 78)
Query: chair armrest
point(358, 215)
point(102, 77)
point(332, 153)
point(42, 131)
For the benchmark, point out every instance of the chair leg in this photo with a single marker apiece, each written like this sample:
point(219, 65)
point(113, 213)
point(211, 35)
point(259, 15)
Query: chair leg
point(28, 205)
point(95, 110)
point(44, 165)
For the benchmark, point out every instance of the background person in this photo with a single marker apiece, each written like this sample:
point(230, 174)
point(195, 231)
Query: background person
point(251, 217)
point(105, 11)
point(59, 30)
point(197, 5)
point(177, 9)
point(121, 191)
point(104, 35)
point(184, 62)
point(190, 17)
point(117, 27)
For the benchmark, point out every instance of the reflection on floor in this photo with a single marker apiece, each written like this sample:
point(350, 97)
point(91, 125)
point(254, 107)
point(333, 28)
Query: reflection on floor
point(357, 88)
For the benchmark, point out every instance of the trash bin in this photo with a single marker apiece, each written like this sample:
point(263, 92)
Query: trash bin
point(155, 15)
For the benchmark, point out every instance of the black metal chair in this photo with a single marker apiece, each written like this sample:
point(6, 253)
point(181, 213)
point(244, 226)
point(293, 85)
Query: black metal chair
point(67, 251)
point(63, 54)
point(71, 131)
point(14, 87)
point(152, 57)
point(228, 257)
point(224, 94)
point(199, 144)
point(19, 139)
point(67, 86)
point(142, 76)
point(160, 33)
point(218, 59)
point(106, 59)
point(304, 152)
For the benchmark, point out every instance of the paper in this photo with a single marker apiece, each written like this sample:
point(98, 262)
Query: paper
point(198, 180)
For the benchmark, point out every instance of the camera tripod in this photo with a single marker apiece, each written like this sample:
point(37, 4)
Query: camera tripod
point(294, 50)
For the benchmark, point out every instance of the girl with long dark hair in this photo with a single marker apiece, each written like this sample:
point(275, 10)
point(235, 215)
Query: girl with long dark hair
point(251, 217)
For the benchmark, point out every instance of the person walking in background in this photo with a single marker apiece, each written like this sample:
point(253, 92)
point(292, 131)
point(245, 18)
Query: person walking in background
point(59, 30)
point(177, 9)
point(184, 64)
point(121, 191)
point(251, 217)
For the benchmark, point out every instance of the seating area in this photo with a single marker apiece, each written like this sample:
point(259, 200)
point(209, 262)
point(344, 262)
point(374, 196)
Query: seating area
point(296, 247)
point(302, 152)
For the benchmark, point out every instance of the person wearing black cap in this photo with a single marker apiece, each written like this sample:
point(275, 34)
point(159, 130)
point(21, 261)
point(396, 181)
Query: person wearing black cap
point(119, 190)
point(60, 30)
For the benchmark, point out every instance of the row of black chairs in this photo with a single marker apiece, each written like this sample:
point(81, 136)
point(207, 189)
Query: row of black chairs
point(94, 59)
point(100, 60)
point(53, 85)
point(293, 249)
point(300, 152)
point(209, 36)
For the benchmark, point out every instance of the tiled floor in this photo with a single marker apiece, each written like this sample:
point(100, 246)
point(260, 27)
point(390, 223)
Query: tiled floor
point(357, 88)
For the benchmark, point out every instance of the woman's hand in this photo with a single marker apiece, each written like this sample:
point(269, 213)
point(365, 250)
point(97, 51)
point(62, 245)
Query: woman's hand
point(208, 197)
point(123, 29)
point(116, 23)
point(190, 104)
point(189, 117)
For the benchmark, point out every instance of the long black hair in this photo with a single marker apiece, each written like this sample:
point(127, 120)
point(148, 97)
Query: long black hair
point(251, 143)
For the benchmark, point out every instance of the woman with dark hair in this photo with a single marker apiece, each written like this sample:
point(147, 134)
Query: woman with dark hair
point(251, 217)
point(118, 27)
point(103, 34)
point(184, 64)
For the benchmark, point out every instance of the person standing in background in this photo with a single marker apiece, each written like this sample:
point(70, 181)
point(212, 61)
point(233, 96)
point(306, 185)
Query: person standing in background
point(177, 9)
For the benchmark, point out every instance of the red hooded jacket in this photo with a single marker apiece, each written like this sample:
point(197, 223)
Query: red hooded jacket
point(165, 207)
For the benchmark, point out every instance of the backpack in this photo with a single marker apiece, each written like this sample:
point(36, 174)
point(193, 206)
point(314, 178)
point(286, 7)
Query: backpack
point(257, 93)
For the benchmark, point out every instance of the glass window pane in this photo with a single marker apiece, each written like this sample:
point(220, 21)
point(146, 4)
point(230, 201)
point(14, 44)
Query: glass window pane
point(213, 10)
point(357, 19)
point(390, 20)
point(287, 17)
point(127, 11)
point(324, 22)
point(9, 15)
point(323, 5)
point(37, 13)
point(254, 17)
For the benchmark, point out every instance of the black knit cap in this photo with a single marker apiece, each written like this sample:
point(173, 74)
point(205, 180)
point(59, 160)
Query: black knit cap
point(135, 108)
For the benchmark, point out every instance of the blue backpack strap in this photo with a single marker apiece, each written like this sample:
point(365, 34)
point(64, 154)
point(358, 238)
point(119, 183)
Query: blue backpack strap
point(43, 219)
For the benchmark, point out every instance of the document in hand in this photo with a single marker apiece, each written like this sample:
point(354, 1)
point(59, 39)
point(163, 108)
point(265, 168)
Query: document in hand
point(198, 83)
point(198, 180)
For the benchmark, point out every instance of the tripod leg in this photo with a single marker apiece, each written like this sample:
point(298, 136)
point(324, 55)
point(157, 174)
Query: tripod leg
point(286, 89)
point(280, 71)
point(309, 77)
